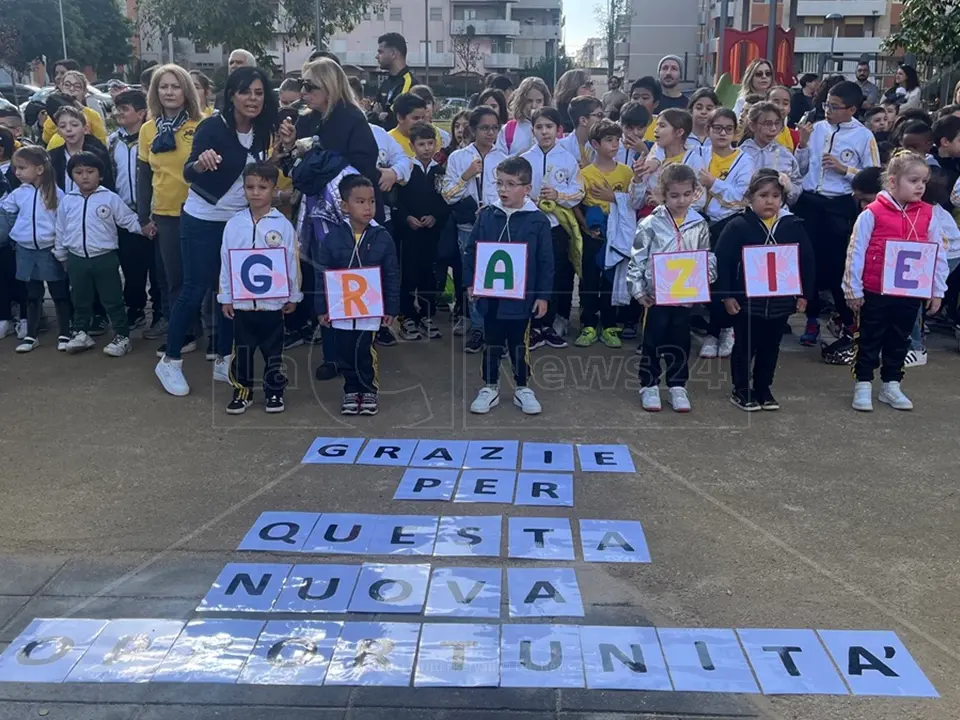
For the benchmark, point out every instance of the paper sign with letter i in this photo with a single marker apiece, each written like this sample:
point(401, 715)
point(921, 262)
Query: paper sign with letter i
point(501, 270)
point(772, 270)
point(354, 294)
point(908, 268)
point(680, 278)
point(259, 274)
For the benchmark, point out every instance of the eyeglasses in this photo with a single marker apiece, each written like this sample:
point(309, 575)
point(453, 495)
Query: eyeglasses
point(770, 123)
point(763, 73)
point(834, 108)
point(307, 86)
point(488, 128)
point(723, 129)
point(72, 86)
point(508, 184)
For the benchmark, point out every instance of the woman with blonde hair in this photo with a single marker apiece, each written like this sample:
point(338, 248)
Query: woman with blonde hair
point(516, 136)
point(73, 84)
point(165, 142)
point(571, 84)
point(758, 78)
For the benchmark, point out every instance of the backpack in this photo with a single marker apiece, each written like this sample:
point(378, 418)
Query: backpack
point(510, 132)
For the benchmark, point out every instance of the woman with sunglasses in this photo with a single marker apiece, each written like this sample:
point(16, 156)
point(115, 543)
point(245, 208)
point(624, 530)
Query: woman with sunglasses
point(757, 80)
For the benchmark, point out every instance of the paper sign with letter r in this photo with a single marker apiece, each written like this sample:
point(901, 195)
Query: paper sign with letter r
point(501, 270)
point(259, 274)
point(908, 268)
point(354, 294)
point(772, 270)
point(680, 278)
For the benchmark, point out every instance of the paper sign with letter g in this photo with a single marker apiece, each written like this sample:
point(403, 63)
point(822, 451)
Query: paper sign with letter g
point(908, 268)
point(501, 271)
point(259, 274)
point(680, 278)
point(354, 294)
point(772, 270)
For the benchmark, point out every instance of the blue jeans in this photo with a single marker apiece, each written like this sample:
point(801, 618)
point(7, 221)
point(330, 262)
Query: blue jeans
point(476, 319)
point(200, 249)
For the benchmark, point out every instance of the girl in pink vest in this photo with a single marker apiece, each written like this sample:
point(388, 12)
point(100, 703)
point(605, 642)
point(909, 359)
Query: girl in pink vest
point(885, 305)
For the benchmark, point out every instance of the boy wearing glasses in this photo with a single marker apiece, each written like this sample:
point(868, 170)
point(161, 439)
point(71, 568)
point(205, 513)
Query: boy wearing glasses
point(837, 149)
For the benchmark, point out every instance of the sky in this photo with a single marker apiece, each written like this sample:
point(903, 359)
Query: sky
point(581, 23)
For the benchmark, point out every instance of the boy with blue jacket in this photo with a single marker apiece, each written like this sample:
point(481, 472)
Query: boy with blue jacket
point(359, 242)
point(512, 218)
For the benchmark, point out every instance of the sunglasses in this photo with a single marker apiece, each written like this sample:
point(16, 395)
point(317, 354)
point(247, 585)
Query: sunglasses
point(763, 73)
point(307, 86)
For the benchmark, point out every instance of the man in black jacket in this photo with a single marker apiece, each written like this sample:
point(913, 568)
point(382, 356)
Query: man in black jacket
point(392, 57)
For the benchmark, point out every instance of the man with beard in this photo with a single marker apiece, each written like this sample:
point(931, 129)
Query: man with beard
point(670, 71)
point(392, 57)
point(871, 93)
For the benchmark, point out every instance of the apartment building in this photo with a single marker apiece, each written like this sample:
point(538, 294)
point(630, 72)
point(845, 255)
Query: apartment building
point(655, 29)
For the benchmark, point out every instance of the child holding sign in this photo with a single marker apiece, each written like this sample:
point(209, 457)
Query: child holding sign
point(353, 303)
point(259, 284)
point(896, 259)
point(673, 239)
point(508, 269)
point(763, 255)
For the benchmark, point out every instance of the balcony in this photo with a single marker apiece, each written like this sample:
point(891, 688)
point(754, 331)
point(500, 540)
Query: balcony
point(847, 8)
point(502, 61)
point(540, 32)
point(536, 4)
point(485, 27)
point(437, 59)
point(855, 45)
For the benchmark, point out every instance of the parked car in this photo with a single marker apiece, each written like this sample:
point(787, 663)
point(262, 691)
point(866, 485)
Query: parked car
point(43, 93)
point(17, 93)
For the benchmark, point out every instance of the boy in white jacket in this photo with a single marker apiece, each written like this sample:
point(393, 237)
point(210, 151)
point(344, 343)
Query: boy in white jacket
point(87, 221)
point(258, 323)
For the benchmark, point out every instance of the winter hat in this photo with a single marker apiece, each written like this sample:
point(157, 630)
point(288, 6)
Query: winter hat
point(675, 58)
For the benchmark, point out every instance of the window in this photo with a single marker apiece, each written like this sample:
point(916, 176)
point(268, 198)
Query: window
point(436, 13)
point(200, 48)
point(367, 16)
point(396, 13)
point(439, 46)
point(469, 14)
point(811, 30)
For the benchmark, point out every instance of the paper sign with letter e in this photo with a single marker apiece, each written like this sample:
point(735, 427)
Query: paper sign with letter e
point(908, 268)
point(259, 274)
point(354, 294)
point(772, 270)
point(501, 270)
point(680, 278)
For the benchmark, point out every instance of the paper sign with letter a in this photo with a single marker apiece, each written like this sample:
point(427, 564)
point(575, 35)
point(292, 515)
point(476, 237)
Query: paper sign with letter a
point(908, 268)
point(680, 278)
point(772, 270)
point(501, 270)
point(259, 274)
point(354, 294)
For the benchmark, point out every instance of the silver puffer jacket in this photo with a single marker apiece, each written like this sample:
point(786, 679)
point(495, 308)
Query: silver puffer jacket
point(658, 233)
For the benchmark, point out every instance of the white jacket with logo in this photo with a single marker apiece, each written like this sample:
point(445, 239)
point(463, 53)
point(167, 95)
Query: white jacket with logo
point(482, 187)
point(273, 230)
point(35, 226)
point(556, 169)
point(729, 194)
point(87, 226)
point(851, 143)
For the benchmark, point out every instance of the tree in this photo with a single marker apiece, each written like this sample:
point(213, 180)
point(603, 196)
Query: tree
point(614, 19)
point(544, 67)
point(928, 28)
point(253, 24)
point(466, 52)
point(97, 33)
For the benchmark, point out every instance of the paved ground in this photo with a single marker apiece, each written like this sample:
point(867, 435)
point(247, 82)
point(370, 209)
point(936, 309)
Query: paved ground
point(119, 501)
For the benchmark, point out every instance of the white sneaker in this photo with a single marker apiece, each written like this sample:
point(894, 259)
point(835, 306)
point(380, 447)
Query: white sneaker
point(459, 327)
point(915, 358)
point(21, 329)
point(6, 328)
point(650, 399)
point(525, 399)
point(27, 345)
point(561, 326)
point(79, 342)
point(62, 341)
point(170, 374)
point(118, 347)
point(892, 395)
point(726, 342)
point(487, 398)
point(679, 400)
point(710, 347)
point(863, 396)
point(221, 369)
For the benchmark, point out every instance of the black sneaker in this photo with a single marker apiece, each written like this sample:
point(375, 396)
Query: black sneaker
point(292, 339)
point(136, 319)
point(326, 371)
point(474, 343)
point(744, 401)
point(99, 326)
point(766, 400)
point(536, 339)
point(385, 337)
point(274, 404)
point(369, 404)
point(211, 352)
point(240, 402)
point(551, 338)
point(350, 404)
